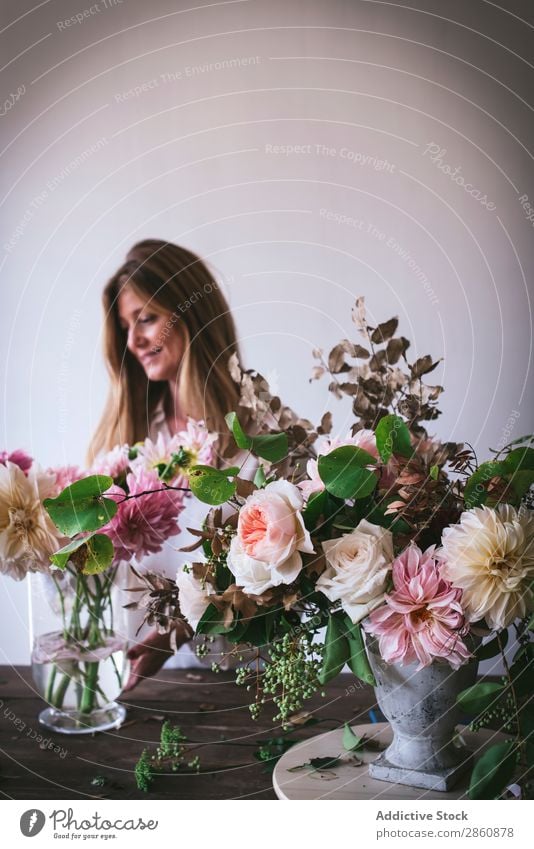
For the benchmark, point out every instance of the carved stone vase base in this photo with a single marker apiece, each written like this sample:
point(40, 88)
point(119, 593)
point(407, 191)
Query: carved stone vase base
point(442, 780)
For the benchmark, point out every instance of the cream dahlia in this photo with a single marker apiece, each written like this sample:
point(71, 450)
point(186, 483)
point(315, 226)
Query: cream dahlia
point(27, 534)
point(489, 554)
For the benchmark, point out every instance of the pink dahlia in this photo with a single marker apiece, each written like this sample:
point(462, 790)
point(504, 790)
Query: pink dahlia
point(64, 476)
point(422, 618)
point(114, 463)
point(175, 455)
point(19, 458)
point(141, 525)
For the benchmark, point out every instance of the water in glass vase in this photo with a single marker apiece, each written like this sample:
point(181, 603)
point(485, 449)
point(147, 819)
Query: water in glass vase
point(79, 682)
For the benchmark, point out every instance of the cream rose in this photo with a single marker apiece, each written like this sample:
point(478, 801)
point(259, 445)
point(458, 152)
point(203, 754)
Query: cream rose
point(271, 535)
point(489, 554)
point(193, 596)
point(358, 566)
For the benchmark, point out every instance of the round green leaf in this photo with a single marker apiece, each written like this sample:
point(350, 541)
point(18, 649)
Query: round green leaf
point(475, 492)
point(344, 474)
point(480, 696)
point(393, 437)
point(493, 771)
point(95, 551)
point(82, 506)
point(99, 554)
point(210, 485)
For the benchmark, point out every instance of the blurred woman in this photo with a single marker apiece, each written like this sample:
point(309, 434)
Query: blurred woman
point(168, 336)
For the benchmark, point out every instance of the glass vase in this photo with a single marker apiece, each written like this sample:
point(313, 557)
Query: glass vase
point(79, 646)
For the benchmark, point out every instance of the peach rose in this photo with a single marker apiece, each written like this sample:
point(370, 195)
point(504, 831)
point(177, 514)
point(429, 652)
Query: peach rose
point(270, 536)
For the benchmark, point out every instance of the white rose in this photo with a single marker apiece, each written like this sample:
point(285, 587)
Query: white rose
point(358, 566)
point(193, 596)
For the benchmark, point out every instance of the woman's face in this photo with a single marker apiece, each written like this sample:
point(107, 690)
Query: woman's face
point(154, 339)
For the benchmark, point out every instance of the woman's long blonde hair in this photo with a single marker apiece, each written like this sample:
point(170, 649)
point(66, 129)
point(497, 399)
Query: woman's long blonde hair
point(176, 283)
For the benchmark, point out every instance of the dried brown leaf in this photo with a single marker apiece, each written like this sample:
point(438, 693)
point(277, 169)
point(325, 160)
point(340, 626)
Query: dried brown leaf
point(378, 360)
point(317, 372)
point(384, 331)
point(423, 365)
point(336, 359)
point(396, 348)
point(234, 368)
point(335, 390)
point(349, 388)
point(359, 317)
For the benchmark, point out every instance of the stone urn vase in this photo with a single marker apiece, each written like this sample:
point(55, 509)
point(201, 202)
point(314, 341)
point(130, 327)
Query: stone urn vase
point(420, 705)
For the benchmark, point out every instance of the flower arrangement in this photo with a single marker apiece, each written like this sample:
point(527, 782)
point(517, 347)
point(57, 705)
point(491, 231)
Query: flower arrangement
point(77, 529)
point(385, 532)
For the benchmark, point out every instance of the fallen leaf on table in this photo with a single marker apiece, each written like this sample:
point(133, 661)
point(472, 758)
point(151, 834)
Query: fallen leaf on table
point(317, 764)
point(300, 718)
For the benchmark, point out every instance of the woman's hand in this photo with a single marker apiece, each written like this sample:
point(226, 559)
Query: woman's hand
point(148, 657)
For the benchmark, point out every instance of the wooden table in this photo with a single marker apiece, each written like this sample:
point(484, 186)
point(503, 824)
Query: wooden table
point(209, 708)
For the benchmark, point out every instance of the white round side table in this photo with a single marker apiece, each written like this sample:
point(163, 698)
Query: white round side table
point(350, 780)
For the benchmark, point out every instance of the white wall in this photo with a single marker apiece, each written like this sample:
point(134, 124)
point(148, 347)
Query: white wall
point(88, 169)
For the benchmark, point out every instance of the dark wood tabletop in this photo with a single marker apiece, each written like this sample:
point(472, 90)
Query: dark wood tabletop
point(209, 708)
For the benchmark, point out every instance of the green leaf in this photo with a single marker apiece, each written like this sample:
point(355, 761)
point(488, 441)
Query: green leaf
point(393, 437)
point(211, 622)
point(493, 771)
point(358, 661)
point(82, 506)
point(492, 647)
point(475, 493)
point(522, 671)
point(259, 478)
point(521, 482)
point(99, 554)
point(344, 474)
point(210, 485)
point(434, 472)
point(96, 553)
point(323, 763)
point(269, 446)
point(520, 459)
point(234, 425)
point(351, 741)
point(258, 630)
point(480, 696)
point(337, 650)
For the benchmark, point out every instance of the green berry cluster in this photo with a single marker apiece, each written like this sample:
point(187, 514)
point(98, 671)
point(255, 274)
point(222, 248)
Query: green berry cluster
point(501, 715)
point(292, 675)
